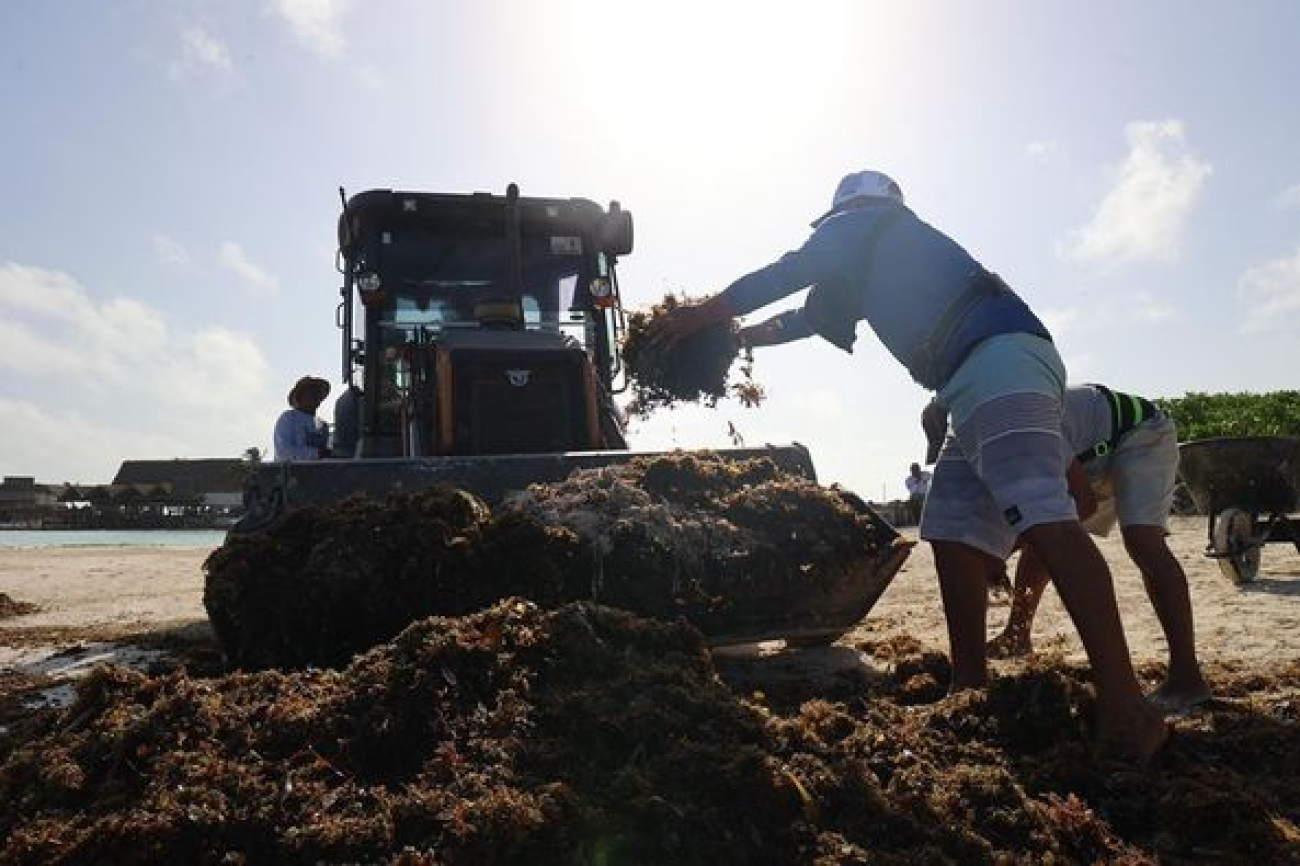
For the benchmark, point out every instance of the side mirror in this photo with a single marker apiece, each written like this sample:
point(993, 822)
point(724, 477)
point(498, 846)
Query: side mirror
point(616, 231)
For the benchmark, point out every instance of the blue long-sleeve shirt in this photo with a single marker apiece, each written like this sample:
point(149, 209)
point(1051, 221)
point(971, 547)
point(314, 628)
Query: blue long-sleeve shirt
point(906, 284)
point(299, 435)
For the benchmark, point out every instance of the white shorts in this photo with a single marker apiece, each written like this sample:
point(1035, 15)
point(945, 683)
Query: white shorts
point(1134, 484)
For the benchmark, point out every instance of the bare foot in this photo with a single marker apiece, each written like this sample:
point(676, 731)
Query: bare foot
point(1174, 701)
point(1140, 740)
point(1009, 646)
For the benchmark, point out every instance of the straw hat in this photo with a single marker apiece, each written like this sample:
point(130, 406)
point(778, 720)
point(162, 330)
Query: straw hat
point(308, 386)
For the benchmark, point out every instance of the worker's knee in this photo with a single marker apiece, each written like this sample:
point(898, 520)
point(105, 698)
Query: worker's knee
point(1146, 545)
point(958, 561)
point(1143, 538)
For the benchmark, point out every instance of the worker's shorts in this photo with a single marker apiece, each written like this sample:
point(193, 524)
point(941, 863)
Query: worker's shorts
point(1002, 467)
point(1134, 484)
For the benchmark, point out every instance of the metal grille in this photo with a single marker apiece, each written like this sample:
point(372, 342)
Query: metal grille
point(496, 416)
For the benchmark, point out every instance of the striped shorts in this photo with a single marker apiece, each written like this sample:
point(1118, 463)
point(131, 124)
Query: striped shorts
point(1002, 467)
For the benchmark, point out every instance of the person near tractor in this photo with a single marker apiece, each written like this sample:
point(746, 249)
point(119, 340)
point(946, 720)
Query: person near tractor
point(1124, 470)
point(961, 332)
point(917, 483)
point(299, 434)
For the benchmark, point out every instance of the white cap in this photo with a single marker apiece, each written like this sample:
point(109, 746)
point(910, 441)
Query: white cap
point(862, 184)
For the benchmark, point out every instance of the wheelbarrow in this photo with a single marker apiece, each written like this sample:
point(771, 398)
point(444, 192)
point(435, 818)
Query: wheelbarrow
point(1249, 486)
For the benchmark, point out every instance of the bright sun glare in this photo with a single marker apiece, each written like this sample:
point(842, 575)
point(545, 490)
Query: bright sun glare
point(725, 73)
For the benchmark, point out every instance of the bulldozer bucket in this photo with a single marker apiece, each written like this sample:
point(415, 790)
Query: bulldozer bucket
point(812, 615)
point(275, 489)
point(796, 561)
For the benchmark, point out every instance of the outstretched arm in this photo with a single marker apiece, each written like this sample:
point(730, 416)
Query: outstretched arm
point(781, 328)
point(794, 271)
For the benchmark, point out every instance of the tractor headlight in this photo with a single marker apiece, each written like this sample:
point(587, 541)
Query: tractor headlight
point(602, 292)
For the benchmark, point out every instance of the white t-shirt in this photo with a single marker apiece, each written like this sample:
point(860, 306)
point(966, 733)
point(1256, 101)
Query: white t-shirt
point(1086, 418)
point(299, 436)
point(918, 485)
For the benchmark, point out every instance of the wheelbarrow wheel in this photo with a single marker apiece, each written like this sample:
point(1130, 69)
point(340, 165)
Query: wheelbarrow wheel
point(1235, 545)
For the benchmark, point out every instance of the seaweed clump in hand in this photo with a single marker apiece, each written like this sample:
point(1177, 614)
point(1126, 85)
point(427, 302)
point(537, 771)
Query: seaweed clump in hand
point(695, 369)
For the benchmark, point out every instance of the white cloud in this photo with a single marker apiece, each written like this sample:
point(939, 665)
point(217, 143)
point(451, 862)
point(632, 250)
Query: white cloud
point(1137, 309)
point(1289, 197)
point(256, 278)
point(1042, 151)
point(1144, 214)
point(58, 444)
point(199, 52)
point(1271, 293)
point(201, 47)
point(88, 383)
point(1146, 308)
point(316, 23)
point(169, 252)
point(35, 290)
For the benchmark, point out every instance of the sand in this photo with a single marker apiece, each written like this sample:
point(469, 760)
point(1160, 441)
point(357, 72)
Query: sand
point(93, 601)
point(94, 605)
point(1252, 625)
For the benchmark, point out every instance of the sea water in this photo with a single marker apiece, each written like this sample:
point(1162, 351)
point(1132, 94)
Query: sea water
point(112, 537)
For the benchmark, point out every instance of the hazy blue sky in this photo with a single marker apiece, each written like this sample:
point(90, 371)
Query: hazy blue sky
point(170, 175)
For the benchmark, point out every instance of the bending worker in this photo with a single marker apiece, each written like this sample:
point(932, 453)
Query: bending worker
point(962, 332)
point(1125, 469)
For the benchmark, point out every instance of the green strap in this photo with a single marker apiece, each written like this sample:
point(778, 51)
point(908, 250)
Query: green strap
point(1126, 412)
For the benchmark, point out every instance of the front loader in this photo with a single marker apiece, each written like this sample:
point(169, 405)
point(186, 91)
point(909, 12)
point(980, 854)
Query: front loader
point(480, 349)
point(480, 346)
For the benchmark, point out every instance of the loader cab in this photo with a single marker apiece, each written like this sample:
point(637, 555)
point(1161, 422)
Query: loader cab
point(478, 324)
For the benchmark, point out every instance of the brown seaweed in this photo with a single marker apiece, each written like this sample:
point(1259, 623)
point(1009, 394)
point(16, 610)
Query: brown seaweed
point(696, 369)
point(588, 735)
point(734, 546)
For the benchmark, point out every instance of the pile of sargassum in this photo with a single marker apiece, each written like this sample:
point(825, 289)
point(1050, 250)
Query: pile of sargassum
point(589, 735)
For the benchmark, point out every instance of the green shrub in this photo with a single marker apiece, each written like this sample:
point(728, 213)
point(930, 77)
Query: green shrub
point(1206, 416)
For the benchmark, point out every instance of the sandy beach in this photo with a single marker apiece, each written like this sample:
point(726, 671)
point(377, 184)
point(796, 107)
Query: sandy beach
point(1256, 624)
point(90, 597)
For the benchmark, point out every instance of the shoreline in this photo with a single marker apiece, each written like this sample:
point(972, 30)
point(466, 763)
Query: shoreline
point(53, 539)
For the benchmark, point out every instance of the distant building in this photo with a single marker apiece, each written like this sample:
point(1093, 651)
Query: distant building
point(22, 500)
point(22, 491)
point(214, 482)
point(145, 494)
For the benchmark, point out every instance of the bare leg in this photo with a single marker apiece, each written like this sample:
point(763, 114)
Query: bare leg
point(1031, 580)
point(963, 582)
point(1166, 585)
point(1083, 580)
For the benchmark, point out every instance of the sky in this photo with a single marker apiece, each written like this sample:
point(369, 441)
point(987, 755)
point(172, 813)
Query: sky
point(170, 176)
